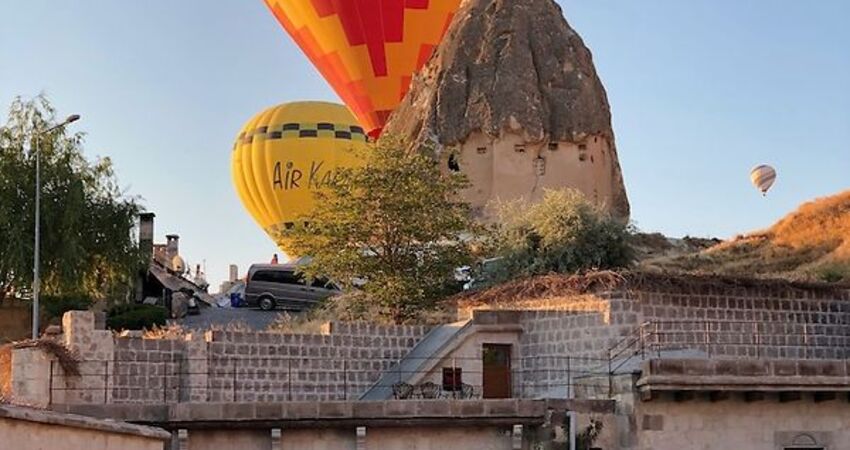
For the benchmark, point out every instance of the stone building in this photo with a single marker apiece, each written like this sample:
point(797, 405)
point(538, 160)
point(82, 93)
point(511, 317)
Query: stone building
point(648, 361)
point(512, 99)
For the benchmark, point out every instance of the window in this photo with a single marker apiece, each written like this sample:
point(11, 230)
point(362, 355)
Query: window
point(454, 165)
point(582, 147)
point(452, 379)
point(519, 148)
point(540, 166)
point(288, 277)
point(553, 146)
point(278, 276)
point(263, 275)
point(481, 150)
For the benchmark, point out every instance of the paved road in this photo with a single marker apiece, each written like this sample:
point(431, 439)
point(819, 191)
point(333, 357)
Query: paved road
point(221, 317)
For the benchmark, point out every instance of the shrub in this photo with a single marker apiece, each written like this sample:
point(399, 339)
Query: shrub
point(833, 273)
point(564, 233)
point(135, 317)
point(54, 306)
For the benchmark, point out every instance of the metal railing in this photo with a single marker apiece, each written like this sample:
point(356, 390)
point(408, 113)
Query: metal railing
point(716, 337)
point(231, 378)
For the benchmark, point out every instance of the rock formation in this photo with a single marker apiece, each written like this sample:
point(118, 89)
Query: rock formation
point(512, 99)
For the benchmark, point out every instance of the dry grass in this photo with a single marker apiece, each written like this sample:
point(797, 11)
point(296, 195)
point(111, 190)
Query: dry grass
point(539, 288)
point(812, 243)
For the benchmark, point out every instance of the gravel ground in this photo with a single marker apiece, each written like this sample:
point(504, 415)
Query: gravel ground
point(221, 317)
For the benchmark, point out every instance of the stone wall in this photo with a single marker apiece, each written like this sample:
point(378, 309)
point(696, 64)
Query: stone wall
point(283, 367)
point(767, 425)
point(221, 366)
point(568, 338)
point(25, 428)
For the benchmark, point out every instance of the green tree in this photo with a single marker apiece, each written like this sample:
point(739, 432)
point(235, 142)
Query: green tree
point(396, 223)
point(87, 245)
point(564, 233)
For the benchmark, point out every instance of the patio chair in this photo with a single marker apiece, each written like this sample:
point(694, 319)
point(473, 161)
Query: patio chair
point(402, 391)
point(429, 390)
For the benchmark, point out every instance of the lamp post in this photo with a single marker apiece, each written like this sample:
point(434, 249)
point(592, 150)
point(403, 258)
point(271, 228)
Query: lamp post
point(36, 270)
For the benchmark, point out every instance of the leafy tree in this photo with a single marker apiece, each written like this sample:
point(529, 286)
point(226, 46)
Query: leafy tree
point(563, 233)
point(396, 223)
point(87, 246)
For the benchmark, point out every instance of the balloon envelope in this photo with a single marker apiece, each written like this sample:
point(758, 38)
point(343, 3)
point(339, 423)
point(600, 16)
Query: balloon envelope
point(367, 50)
point(286, 153)
point(763, 177)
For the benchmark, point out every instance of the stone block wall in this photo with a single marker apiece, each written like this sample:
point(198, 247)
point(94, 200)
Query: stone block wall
point(287, 367)
point(566, 338)
point(748, 322)
point(565, 350)
point(219, 366)
point(147, 370)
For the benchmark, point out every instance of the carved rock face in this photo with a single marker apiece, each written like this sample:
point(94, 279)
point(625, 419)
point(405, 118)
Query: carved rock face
point(512, 99)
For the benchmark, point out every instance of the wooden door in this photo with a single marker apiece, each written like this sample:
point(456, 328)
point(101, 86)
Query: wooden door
point(497, 371)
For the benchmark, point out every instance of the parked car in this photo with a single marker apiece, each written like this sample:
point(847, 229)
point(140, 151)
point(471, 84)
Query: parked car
point(480, 275)
point(273, 286)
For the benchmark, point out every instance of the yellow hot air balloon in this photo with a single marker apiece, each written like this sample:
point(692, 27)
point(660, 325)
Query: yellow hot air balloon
point(367, 50)
point(763, 177)
point(286, 153)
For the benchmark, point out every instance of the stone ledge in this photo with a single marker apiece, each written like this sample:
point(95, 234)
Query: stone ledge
point(79, 421)
point(324, 414)
point(744, 375)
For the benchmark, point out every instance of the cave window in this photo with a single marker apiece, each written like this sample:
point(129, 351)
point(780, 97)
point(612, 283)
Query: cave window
point(481, 150)
point(582, 157)
point(553, 146)
point(582, 146)
point(591, 159)
point(540, 166)
point(453, 163)
point(519, 148)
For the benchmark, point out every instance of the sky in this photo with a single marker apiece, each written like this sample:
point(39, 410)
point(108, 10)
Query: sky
point(701, 91)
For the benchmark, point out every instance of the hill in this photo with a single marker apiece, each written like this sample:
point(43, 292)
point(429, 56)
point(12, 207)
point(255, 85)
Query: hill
point(812, 243)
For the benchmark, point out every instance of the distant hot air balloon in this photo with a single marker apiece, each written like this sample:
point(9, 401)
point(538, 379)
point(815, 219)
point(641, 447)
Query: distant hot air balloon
point(763, 178)
point(367, 50)
point(286, 153)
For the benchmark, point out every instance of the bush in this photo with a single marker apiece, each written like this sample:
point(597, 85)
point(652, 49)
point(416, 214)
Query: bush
point(833, 273)
point(564, 233)
point(135, 317)
point(54, 306)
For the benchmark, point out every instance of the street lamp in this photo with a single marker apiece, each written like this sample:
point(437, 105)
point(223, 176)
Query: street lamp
point(36, 279)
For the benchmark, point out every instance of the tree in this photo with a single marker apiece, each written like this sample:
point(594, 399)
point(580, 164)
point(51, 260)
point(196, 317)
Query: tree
point(396, 223)
point(563, 233)
point(87, 245)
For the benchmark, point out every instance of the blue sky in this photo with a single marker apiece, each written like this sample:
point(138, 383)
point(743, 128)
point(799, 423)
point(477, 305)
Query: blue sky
point(701, 92)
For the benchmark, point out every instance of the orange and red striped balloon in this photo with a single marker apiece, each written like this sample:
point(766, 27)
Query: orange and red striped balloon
point(367, 50)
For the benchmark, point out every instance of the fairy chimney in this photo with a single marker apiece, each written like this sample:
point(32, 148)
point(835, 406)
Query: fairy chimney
point(512, 99)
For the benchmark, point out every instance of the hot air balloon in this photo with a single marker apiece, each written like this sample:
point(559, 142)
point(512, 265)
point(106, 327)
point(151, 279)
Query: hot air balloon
point(286, 153)
point(763, 178)
point(367, 50)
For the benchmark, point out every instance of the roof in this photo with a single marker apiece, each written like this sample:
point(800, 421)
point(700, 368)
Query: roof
point(176, 283)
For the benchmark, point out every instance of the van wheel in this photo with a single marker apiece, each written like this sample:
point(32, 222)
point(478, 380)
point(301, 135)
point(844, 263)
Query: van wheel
point(267, 304)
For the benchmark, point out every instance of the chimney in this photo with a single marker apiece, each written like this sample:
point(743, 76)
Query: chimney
point(146, 235)
point(172, 246)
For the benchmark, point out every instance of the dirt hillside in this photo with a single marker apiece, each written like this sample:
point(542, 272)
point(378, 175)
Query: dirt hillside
point(812, 243)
